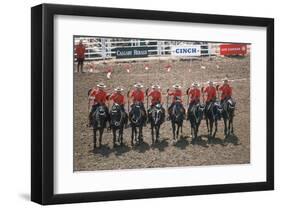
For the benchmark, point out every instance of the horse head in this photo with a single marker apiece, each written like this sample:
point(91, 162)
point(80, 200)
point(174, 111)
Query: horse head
point(136, 114)
point(116, 116)
point(100, 117)
point(157, 114)
point(231, 103)
point(178, 112)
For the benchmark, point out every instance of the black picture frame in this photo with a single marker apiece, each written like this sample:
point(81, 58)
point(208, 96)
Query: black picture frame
point(42, 103)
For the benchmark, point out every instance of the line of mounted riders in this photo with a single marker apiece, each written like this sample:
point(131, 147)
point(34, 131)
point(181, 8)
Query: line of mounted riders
point(117, 118)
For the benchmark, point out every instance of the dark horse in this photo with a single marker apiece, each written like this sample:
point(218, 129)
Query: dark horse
point(212, 114)
point(177, 115)
point(99, 117)
point(137, 119)
point(156, 116)
point(228, 108)
point(195, 116)
point(118, 119)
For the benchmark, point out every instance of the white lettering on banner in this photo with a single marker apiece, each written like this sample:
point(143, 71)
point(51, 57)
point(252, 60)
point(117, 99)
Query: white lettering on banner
point(186, 50)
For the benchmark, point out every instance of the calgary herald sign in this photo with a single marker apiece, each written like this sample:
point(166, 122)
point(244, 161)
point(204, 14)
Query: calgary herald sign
point(134, 52)
point(186, 50)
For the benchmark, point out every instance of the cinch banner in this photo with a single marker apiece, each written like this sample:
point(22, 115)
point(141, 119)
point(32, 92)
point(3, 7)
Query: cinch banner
point(186, 50)
point(131, 52)
point(233, 49)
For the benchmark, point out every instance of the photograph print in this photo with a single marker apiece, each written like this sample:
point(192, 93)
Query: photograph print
point(144, 103)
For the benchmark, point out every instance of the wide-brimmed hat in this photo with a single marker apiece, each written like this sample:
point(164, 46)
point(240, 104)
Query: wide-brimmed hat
point(156, 86)
point(138, 85)
point(176, 86)
point(210, 82)
point(118, 89)
point(194, 84)
point(101, 85)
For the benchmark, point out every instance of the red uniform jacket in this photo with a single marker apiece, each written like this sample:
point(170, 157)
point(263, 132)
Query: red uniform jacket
point(226, 91)
point(138, 96)
point(100, 96)
point(211, 93)
point(194, 95)
point(117, 98)
point(155, 96)
point(80, 50)
point(175, 94)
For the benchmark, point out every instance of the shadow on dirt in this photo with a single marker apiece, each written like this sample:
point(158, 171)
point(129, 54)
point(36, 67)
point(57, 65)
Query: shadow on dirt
point(104, 150)
point(214, 141)
point(142, 147)
point(232, 139)
point(199, 141)
point(161, 145)
point(182, 143)
point(119, 150)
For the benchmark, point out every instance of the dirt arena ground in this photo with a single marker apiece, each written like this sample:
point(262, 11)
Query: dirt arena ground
point(236, 150)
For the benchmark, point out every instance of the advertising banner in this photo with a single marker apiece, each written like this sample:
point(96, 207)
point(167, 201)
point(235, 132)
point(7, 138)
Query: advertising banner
point(131, 52)
point(233, 49)
point(186, 50)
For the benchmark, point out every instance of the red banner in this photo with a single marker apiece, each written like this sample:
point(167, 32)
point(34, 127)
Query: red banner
point(233, 49)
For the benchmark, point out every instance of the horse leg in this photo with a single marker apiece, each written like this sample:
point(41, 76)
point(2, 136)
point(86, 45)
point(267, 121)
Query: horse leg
point(191, 131)
point(181, 129)
point(207, 123)
point(157, 133)
point(152, 133)
point(231, 125)
point(95, 138)
point(178, 130)
point(121, 135)
point(114, 137)
point(211, 128)
point(196, 130)
point(174, 131)
point(100, 137)
point(132, 136)
point(136, 135)
point(216, 128)
point(140, 134)
point(225, 126)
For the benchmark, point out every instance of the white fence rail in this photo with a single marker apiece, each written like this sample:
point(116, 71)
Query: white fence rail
point(104, 48)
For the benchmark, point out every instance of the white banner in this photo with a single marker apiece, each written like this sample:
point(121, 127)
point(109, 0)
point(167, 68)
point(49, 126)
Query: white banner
point(186, 50)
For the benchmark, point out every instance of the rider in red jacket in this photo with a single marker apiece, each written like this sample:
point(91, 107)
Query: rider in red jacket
point(226, 91)
point(210, 92)
point(194, 96)
point(118, 98)
point(137, 96)
point(155, 95)
point(98, 97)
point(177, 97)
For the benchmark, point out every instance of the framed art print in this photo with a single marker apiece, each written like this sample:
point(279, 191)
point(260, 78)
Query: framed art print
point(131, 104)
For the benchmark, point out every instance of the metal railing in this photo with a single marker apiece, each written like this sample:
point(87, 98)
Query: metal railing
point(103, 48)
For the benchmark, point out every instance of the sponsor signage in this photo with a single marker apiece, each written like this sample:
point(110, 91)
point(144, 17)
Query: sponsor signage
point(233, 49)
point(186, 50)
point(131, 52)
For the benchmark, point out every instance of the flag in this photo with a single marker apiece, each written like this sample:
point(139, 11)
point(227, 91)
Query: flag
point(146, 67)
point(168, 67)
point(108, 75)
point(109, 72)
point(128, 68)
